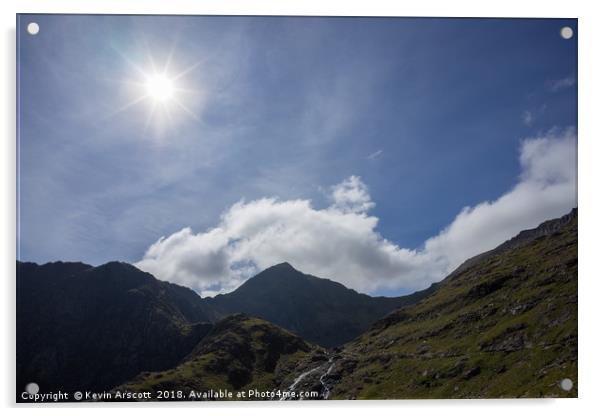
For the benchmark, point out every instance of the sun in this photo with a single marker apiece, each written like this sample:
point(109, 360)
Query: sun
point(160, 88)
point(165, 92)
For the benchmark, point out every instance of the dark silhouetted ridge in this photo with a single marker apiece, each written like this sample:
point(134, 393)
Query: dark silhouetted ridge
point(81, 327)
point(319, 310)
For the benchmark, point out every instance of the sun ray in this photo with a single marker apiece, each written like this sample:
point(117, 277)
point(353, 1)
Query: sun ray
point(130, 104)
point(186, 90)
point(170, 55)
point(187, 110)
point(167, 111)
point(149, 56)
point(129, 61)
point(125, 107)
point(186, 70)
point(150, 116)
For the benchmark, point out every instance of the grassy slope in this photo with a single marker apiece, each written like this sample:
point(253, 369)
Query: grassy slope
point(240, 353)
point(503, 327)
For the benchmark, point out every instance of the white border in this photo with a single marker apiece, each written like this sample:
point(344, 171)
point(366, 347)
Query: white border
point(590, 209)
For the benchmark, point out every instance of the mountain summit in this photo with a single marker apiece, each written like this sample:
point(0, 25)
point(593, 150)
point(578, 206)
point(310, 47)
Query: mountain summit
point(319, 310)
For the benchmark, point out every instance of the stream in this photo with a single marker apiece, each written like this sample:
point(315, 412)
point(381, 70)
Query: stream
point(325, 389)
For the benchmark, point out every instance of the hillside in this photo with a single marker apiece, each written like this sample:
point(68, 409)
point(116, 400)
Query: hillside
point(240, 353)
point(82, 327)
point(502, 325)
point(319, 310)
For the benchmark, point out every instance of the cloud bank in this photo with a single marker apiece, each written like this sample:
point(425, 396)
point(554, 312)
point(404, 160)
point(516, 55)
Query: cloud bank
point(341, 242)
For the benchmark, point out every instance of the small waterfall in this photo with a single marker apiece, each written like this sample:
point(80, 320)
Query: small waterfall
point(298, 380)
point(325, 389)
point(326, 392)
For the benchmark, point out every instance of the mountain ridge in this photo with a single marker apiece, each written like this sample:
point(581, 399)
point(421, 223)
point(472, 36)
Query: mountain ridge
point(83, 327)
point(92, 327)
point(508, 314)
point(319, 310)
point(503, 326)
point(545, 228)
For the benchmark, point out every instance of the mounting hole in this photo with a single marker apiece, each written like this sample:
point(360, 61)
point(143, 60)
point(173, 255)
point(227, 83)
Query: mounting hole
point(32, 388)
point(566, 32)
point(33, 28)
point(566, 384)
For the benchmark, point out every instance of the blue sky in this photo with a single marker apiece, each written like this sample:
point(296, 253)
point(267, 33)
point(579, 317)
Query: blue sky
point(430, 114)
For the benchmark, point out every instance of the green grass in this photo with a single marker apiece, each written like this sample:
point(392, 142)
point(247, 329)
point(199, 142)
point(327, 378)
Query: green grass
point(533, 315)
point(218, 355)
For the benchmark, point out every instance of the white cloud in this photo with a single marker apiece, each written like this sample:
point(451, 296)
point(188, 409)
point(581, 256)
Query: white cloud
point(351, 195)
point(546, 189)
point(341, 242)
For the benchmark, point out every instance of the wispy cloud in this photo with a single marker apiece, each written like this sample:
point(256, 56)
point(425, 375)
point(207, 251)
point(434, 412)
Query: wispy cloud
point(530, 117)
point(375, 155)
point(561, 84)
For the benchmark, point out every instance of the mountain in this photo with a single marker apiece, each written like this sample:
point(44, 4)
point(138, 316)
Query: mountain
point(503, 325)
point(241, 353)
point(319, 310)
point(81, 327)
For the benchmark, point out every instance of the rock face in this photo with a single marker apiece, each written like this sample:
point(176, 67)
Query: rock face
point(319, 310)
point(240, 353)
point(81, 327)
point(502, 325)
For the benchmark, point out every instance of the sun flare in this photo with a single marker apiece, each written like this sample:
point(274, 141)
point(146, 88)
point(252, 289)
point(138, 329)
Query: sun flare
point(165, 92)
point(160, 88)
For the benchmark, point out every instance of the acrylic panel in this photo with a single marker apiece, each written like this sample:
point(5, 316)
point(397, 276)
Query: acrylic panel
point(295, 208)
